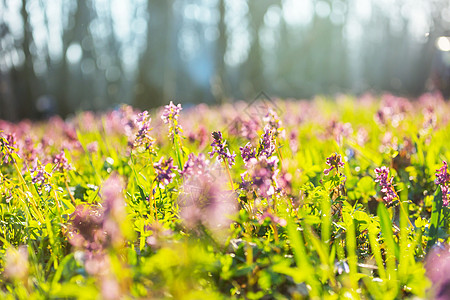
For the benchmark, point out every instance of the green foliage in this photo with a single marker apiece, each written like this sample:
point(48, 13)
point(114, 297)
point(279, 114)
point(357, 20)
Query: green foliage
point(314, 236)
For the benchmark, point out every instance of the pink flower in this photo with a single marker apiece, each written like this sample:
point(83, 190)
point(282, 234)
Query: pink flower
point(334, 161)
point(386, 184)
point(443, 180)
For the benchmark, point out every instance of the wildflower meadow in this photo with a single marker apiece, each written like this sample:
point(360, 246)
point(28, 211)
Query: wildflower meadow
point(344, 198)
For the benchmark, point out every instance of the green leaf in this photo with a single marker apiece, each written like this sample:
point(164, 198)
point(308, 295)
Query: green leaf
point(386, 229)
point(436, 211)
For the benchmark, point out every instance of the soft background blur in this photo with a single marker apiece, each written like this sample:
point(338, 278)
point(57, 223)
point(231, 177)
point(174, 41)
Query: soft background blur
point(61, 56)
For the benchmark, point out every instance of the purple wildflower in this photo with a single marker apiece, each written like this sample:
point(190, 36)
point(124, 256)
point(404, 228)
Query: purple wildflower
point(266, 144)
point(334, 161)
point(164, 171)
point(273, 121)
point(247, 152)
point(219, 147)
point(171, 112)
point(262, 172)
point(386, 184)
point(143, 138)
point(39, 176)
point(62, 164)
point(443, 180)
point(170, 116)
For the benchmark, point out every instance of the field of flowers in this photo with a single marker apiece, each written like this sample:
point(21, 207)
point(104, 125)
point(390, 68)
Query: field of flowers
point(323, 199)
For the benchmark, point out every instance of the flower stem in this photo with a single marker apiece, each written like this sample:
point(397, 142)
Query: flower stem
point(68, 190)
point(229, 175)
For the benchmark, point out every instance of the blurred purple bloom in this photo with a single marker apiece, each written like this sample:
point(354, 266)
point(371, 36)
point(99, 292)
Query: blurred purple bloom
point(293, 140)
point(164, 171)
point(219, 147)
point(206, 202)
point(334, 161)
point(92, 147)
point(195, 166)
point(85, 228)
point(249, 129)
point(430, 118)
point(29, 150)
point(437, 265)
point(158, 234)
point(273, 218)
point(386, 184)
point(443, 180)
point(92, 229)
point(114, 207)
point(362, 136)
point(339, 130)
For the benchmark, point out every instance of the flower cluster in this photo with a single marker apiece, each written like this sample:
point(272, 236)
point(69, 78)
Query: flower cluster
point(273, 121)
point(266, 144)
point(62, 164)
point(334, 161)
point(443, 180)
point(262, 172)
point(143, 138)
point(247, 152)
point(39, 176)
point(170, 116)
point(195, 166)
point(219, 147)
point(386, 184)
point(164, 171)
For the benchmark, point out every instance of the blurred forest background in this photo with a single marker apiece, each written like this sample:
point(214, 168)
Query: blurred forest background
point(61, 56)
